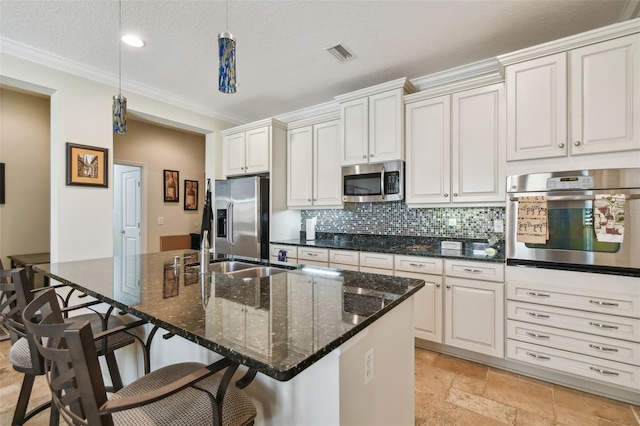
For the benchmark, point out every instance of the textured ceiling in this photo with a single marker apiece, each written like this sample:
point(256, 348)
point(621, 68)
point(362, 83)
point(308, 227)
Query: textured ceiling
point(282, 66)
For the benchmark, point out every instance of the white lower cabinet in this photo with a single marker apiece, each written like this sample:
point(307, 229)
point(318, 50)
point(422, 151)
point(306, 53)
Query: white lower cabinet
point(313, 256)
point(291, 252)
point(427, 303)
point(344, 259)
point(247, 326)
point(578, 323)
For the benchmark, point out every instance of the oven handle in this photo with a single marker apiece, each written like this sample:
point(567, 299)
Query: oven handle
point(577, 197)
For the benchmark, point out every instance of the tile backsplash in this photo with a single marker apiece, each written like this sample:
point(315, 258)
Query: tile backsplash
point(395, 218)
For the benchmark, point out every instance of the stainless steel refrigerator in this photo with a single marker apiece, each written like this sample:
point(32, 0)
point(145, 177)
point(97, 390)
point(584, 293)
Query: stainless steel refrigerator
point(242, 217)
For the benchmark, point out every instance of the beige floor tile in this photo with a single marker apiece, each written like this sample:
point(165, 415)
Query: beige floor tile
point(521, 377)
point(485, 407)
point(605, 422)
point(517, 393)
point(526, 418)
point(469, 384)
point(425, 356)
point(461, 366)
point(441, 413)
point(572, 405)
point(433, 381)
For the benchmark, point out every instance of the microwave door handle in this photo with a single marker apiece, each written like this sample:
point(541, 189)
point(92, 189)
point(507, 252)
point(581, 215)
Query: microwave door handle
point(382, 173)
point(230, 224)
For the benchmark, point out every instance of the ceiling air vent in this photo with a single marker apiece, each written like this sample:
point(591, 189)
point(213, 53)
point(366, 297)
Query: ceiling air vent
point(341, 53)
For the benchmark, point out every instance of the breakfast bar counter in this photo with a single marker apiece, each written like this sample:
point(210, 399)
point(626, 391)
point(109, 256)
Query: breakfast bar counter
point(313, 330)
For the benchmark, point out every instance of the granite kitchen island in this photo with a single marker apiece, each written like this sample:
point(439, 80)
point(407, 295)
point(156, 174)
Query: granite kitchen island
point(330, 346)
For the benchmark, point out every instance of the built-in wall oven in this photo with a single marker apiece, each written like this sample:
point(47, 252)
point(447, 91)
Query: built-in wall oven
point(585, 220)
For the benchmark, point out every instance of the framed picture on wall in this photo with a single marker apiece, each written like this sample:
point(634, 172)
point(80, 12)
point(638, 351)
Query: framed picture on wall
point(87, 165)
point(190, 194)
point(171, 193)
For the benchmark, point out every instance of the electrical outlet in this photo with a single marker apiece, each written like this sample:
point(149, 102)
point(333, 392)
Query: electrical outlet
point(160, 220)
point(498, 226)
point(368, 366)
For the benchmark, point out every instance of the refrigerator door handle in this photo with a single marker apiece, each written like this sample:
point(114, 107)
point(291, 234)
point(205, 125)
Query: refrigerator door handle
point(230, 224)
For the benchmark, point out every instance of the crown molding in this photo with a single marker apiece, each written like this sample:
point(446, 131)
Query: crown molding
point(310, 112)
point(572, 42)
point(401, 83)
point(631, 10)
point(254, 125)
point(28, 53)
point(310, 121)
point(485, 67)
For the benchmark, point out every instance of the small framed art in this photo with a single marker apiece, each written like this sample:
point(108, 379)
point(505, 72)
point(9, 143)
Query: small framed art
point(171, 193)
point(190, 194)
point(87, 165)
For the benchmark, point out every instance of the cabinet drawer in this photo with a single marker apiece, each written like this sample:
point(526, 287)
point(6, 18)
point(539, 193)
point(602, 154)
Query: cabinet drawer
point(421, 265)
point(318, 255)
point(376, 260)
point(586, 322)
point(475, 270)
point(344, 257)
point(586, 344)
point(589, 299)
point(292, 251)
point(593, 368)
point(379, 271)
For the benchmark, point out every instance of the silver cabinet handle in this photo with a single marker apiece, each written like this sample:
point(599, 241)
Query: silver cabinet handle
point(446, 195)
point(531, 354)
point(308, 199)
point(536, 335)
point(577, 143)
point(603, 348)
point(601, 303)
point(364, 156)
point(605, 372)
point(438, 285)
point(315, 199)
point(455, 194)
point(418, 265)
point(533, 314)
point(535, 293)
point(312, 254)
point(597, 324)
point(370, 155)
point(475, 271)
point(448, 285)
point(560, 145)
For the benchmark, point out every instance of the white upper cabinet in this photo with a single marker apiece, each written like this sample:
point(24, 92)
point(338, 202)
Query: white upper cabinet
point(313, 168)
point(582, 101)
point(605, 96)
point(455, 148)
point(371, 129)
point(247, 151)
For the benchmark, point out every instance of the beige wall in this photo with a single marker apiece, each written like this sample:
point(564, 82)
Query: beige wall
point(24, 148)
point(158, 148)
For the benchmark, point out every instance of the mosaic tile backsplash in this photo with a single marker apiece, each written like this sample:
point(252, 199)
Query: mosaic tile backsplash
point(395, 218)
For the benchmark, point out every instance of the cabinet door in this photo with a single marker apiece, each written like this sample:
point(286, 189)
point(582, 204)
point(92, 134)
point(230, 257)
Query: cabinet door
point(478, 142)
point(233, 321)
point(257, 150)
point(257, 326)
point(327, 313)
point(537, 108)
point(605, 96)
point(299, 167)
point(327, 174)
point(386, 118)
point(428, 169)
point(354, 131)
point(474, 316)
point(233, 147)
point(427, 307)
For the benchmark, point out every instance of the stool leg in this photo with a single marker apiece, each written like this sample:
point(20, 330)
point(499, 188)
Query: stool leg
point(23, 399)
point(114, 371)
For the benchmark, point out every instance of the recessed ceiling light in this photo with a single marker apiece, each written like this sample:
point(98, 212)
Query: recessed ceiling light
point(133, 40)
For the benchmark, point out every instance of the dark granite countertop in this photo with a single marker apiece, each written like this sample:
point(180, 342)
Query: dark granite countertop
point(279, 325)
point(402, 245)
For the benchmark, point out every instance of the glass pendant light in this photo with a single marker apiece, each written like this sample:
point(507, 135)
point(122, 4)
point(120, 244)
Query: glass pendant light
point(119, 110)
point(227, 60)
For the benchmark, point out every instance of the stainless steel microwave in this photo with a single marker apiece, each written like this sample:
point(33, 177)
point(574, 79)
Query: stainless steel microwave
point(370, 183)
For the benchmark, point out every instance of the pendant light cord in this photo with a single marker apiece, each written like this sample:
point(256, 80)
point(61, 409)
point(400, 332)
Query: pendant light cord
point(119, 47)
point(227, 13)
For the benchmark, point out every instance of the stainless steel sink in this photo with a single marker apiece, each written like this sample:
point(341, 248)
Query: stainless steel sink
point(229, 266)
point(256, 272)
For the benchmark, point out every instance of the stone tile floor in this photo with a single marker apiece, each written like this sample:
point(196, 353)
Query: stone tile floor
point(449, 391)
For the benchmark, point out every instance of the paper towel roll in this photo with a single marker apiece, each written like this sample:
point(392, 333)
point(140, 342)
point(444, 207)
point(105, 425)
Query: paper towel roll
point(311, 229)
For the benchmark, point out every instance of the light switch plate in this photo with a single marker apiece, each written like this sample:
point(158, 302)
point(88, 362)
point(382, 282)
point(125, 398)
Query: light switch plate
point(498, 226)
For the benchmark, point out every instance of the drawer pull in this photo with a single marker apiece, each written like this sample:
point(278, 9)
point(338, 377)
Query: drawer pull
point(539, 336)
point(418, 265)
point(605, 372)
point(601, 303)
point(533, 314)
point(312, 254)
point(531, 354)
point(603, 348)
point(535, 293)
point(597, 324)
point(475, 271)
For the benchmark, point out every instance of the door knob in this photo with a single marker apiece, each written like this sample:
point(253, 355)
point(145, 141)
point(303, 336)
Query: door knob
point(560, 145)
point(577, 143)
